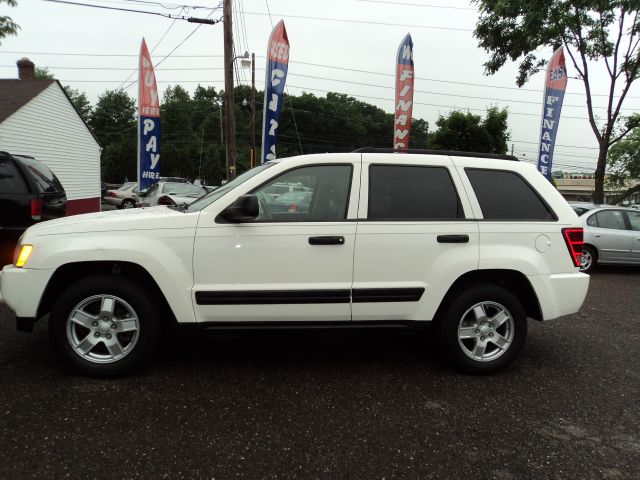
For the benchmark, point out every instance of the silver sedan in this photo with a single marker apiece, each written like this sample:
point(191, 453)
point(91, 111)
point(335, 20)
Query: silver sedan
point(170, 193)
point(611, 236)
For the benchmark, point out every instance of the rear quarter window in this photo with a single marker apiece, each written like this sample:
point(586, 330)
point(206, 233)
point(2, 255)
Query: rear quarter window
point(44, 177)
point(506, 195)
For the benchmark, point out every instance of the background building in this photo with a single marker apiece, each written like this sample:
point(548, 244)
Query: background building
point(38, 119)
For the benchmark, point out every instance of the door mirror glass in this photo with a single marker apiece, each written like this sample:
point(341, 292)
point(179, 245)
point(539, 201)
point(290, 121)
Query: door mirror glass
point(244, 209)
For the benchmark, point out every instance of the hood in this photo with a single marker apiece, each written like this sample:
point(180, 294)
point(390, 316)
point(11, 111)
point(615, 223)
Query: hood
point(128, 219)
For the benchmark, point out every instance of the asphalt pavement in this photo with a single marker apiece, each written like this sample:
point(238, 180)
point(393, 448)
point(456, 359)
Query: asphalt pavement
point(336, 405)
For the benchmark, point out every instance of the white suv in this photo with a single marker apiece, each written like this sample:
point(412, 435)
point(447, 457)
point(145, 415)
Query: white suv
point(472, 245)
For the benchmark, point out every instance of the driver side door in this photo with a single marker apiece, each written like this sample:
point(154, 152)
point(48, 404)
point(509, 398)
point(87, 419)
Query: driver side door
point(293, 262)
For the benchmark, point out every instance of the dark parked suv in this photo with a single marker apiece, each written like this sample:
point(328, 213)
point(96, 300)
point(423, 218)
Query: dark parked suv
point(29, 193)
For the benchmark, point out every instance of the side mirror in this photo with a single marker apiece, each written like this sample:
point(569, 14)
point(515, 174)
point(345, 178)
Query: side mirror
point(244, 209)
point(143, 193)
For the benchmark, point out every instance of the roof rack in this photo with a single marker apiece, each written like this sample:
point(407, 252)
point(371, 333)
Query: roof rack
point(452, 153)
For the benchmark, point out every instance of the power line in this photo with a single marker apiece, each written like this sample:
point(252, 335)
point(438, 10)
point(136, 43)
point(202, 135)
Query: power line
point(334, 67)
point(419, 5)
point(130, 10)
point(363, 22)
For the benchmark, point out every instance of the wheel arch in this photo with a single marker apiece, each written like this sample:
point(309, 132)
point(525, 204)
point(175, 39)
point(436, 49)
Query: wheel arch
point(512, 280)
point(72, 272)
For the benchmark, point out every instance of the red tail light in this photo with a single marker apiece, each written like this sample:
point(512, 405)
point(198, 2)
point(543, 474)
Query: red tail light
point(36, 209)
point(293, 208)
point(111, 194)
point(166, 200)
point(573, 237)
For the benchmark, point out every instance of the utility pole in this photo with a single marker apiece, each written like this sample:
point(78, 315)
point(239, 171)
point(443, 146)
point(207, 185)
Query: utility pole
point(253, 110)
point(229, 117)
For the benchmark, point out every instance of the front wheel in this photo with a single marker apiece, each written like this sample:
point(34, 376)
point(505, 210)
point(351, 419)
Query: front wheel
point(104, 326)
point(484, 329)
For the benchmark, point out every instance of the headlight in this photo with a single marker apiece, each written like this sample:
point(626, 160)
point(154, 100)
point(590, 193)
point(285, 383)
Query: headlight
point(23, 255)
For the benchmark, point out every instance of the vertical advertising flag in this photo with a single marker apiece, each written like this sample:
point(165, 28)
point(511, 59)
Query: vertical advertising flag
point(148, 122)
point(404, 95)
point(277, 64)
point(555, 86)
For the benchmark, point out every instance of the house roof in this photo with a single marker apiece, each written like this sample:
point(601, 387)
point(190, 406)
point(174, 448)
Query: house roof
point(14, 94)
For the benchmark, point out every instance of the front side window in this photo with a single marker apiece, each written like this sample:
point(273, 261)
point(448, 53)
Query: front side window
point(407, 192)
point(506, 195)
point(318, 193)
point(611, 219)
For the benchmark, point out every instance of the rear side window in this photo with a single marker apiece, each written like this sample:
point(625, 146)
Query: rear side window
point(507, 196)
point(11, 180)
point(44, 177)
point(407, 192)
point(612, 219)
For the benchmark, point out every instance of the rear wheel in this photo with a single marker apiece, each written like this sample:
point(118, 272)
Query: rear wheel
point(589, 259)
point(483, 330)
point(104, 326)
point(128, 203)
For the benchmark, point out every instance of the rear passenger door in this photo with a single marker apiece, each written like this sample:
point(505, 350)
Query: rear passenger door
point(609, 233)
point(413, 239)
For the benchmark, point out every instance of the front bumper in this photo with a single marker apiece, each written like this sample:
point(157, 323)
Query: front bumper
point(560, 294)
point(22, 288)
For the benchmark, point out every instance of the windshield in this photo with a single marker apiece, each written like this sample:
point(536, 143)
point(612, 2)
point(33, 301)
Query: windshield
point(127, 186)
point(186, 189)
point(207, 200)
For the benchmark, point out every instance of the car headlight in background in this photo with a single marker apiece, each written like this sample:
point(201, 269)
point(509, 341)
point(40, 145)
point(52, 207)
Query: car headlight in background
point(23, 255)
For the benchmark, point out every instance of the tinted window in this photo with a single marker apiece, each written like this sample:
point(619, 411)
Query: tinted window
point(44, 177)
point(403, 192)
point(592, 221)
point(11, 180)
point(611, 219)
point(313, 194)
point(506, 196)
point(634, 220)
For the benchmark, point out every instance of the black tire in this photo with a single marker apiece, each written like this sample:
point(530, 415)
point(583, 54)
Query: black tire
point(591, 256)
point(137, 345)
point(459, 314)
point(128, 203)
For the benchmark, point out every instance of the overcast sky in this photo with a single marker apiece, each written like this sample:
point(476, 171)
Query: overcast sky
point(326, 38)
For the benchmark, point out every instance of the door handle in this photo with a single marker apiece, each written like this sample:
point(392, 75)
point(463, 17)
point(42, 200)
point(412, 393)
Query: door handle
point(597, 235)
point(453, 238)
point(330, 240)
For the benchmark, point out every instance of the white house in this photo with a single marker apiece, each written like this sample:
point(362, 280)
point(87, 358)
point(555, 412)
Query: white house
point(38, 119)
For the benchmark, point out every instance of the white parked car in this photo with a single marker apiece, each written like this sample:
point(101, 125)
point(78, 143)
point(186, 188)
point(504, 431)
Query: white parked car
point(473, 245)
point(170, 193)
point(124, 197)
point(611, 236)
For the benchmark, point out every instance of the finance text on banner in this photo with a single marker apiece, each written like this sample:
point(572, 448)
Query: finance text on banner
point(555, 86)
point(404, 95)
point(148, 122)
point(276, 76)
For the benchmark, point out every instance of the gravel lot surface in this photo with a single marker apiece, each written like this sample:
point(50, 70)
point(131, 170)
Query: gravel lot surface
point(336, 405)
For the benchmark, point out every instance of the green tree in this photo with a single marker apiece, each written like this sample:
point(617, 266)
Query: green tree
point(80, 101)
point(593, 33)
point(466, 132)
point(624, 163)
point(113, 121)
point(8, 26)
point(43, 73)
